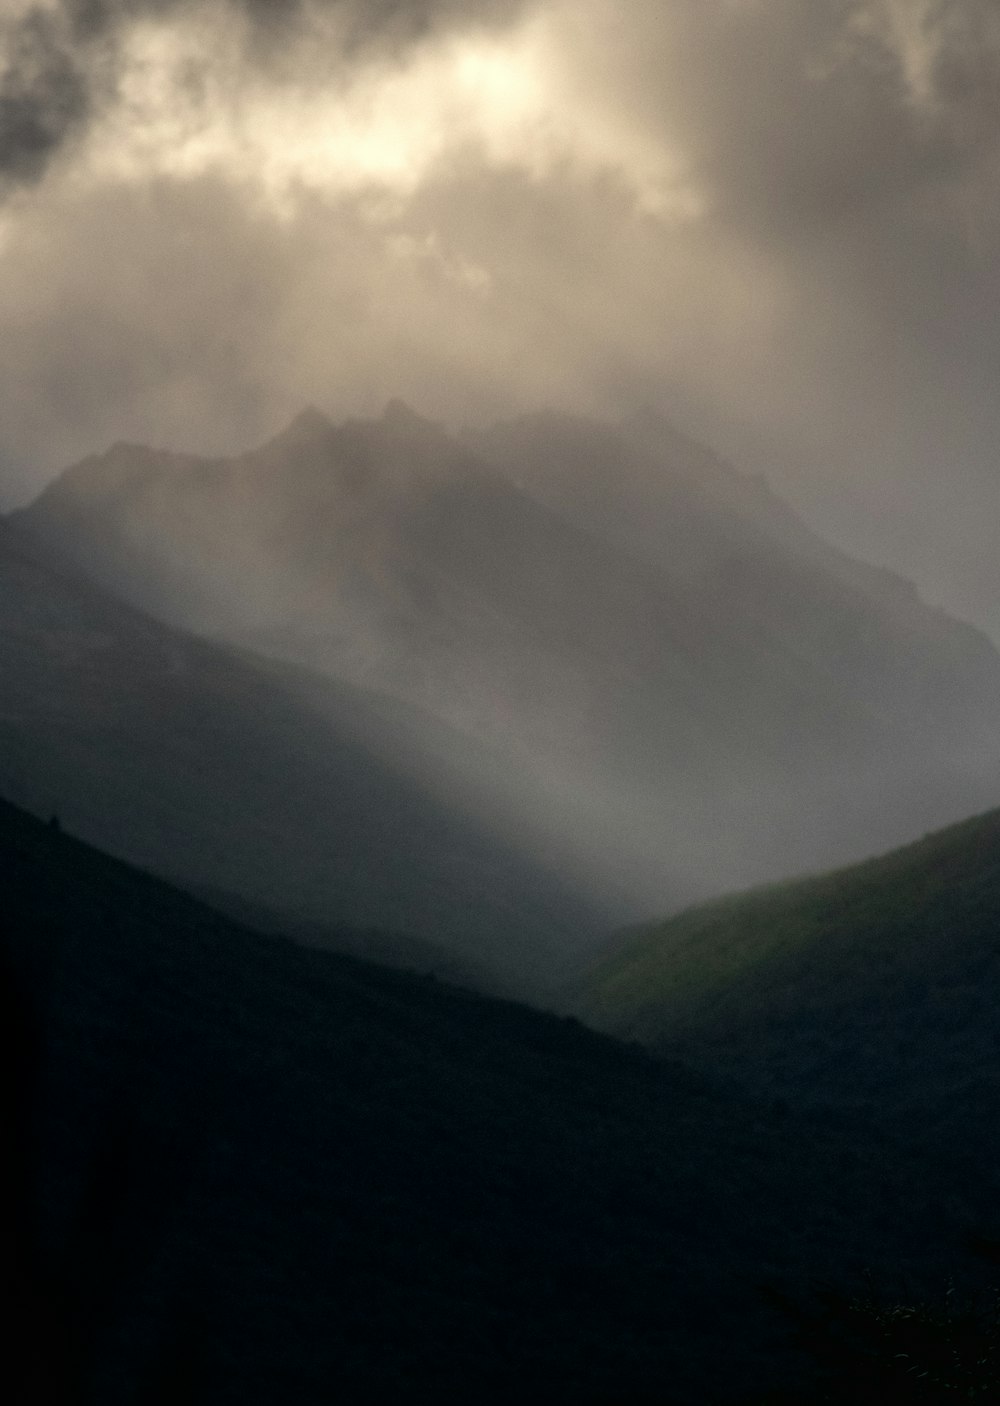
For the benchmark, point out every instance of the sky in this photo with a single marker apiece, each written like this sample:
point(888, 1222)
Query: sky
point(777, 221)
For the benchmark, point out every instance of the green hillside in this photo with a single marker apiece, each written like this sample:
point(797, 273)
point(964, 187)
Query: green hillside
point(877, 985)
point(247, 1171)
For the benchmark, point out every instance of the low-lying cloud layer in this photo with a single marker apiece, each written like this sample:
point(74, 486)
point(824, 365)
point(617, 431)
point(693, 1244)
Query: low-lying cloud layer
point(777, 218)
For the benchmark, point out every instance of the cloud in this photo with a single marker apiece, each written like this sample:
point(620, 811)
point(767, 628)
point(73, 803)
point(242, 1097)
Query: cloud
point(778, 218)
point(43, 96)
point(796, 113)
point(62, 62)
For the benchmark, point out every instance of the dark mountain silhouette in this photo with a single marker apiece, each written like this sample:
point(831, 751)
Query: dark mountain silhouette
point(688, 688)
point(875, 988)
point(248, 1171)
point(264, 786)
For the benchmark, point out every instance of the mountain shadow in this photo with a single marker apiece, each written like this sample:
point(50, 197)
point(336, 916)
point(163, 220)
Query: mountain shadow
point(248, 1171)
point(242, 777)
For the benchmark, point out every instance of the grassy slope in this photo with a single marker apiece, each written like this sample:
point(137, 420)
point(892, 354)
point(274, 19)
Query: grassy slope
point(877, 984)
point(254, 1172)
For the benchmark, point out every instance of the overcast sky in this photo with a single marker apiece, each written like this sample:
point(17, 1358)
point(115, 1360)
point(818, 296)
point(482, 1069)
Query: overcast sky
point(777, 220)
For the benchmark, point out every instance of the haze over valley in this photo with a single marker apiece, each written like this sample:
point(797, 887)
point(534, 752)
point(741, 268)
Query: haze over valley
point(500, 701)
point(606, 637)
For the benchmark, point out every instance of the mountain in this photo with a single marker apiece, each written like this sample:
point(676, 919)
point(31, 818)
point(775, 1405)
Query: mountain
point(863, 633)
point(262, 785)
point(874, 987)
point(686, 688)
point(242, 1170)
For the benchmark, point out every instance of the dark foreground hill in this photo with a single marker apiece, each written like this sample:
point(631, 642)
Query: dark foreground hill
point(250, 1172)
point(229, 774)
point(875, 987)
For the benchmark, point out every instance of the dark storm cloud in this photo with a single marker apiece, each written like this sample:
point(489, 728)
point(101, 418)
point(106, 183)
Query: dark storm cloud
point(57, 63)
point(43, 96)
point(365, 19)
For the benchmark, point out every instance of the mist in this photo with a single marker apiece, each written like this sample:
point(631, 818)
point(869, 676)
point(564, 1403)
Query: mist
point(775, 221)
point(628, 662)
point(499, 500)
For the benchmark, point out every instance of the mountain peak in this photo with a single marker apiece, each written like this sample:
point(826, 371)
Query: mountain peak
point(310, 427)
point(400, 416)
point(310, 423)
